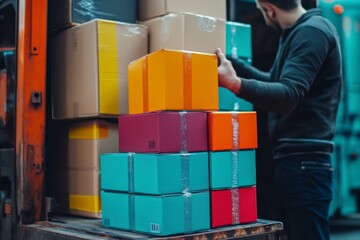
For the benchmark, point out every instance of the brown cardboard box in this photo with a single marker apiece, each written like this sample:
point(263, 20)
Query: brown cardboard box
point(185, 31)
point(77, 192)
point(74, 167)
point(65, 13)
point(89, 68)
point(154, 8)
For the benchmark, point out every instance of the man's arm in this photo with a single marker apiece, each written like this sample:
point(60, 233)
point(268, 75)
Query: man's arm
point(304, 61)
point(247, 71)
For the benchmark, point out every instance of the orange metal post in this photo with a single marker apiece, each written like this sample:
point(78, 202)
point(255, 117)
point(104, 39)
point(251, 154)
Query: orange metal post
point(30, 109)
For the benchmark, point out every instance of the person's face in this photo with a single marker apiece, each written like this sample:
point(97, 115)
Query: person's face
point(269, 15)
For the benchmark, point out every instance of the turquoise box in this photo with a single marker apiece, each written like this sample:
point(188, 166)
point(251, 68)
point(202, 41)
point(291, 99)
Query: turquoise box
point(238, 41)
point(155, 174)
point(232, 169)
point(156, 215)
point(238, 45)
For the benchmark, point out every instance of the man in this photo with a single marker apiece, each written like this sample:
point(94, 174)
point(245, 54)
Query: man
point(301, 93)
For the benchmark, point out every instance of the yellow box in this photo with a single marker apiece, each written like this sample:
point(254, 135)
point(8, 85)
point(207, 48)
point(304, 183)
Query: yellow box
point(173, 80)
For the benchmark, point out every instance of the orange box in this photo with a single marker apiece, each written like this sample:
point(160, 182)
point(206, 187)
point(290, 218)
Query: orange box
point(232, 130)
point(173, 80)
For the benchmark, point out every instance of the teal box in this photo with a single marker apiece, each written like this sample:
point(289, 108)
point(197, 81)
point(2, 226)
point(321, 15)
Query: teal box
point(238, 45)
point(155, 174)
point(115, 210)
point(228, 101)
point(114, 172)
point(232, 169)
point(156, 215)
point(238, 41)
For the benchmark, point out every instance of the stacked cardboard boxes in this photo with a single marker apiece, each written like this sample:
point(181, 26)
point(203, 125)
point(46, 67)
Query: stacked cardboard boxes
point(232, 141)
point(165, 183)
point(88, 72)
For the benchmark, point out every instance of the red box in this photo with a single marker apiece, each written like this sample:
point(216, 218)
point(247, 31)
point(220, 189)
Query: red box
point(223, 201)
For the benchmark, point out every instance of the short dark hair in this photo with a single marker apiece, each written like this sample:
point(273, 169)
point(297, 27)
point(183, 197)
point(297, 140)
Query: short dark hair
point(284, 4)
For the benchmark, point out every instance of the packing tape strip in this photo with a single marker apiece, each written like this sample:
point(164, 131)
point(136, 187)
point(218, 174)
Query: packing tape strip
point(183, 133)
point(185, 172)
point(131, 171)
point(235, 208)
point(131, 212)
point(188, 212)
point(187, 75)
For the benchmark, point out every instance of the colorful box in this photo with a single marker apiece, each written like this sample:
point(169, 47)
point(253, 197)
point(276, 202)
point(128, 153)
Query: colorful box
point(76, 192)
point(154, 8)
point(163, 132)
point(228, 101)
point(89, 68)
point(66, 13)
point(186, 31)
point(232, 130)
point(233, 206)
point(232, 169)
point(74, 169)
point(157, 215)
point(238, 41)
point(155, 173)
point(173, 80)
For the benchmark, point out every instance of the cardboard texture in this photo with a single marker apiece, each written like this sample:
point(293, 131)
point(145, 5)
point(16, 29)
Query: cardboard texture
point(66, 13)
point(163, 132)
point(89, 66)
point(154, 8)
point(173, 80)
point(232, 169)
point(79, 144)
point(149, 173)
point(186, 31)
point(77, 192)
point(75, 165)
point(225, 210)
point(157, 215)
point(232, 130)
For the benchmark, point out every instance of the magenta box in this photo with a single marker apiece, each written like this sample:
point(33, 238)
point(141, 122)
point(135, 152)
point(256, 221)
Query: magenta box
point(163, 132)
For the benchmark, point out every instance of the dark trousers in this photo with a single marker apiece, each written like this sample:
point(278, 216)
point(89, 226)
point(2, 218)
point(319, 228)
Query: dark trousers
point(304, 184)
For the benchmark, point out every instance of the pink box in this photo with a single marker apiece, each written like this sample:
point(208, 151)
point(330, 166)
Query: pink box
point(163, 132)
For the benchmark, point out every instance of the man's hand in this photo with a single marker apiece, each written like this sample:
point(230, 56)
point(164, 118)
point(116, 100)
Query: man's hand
point(226, 74)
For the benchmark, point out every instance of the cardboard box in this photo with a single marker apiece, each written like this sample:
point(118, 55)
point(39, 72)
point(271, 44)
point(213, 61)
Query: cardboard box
point(232, 130)
point(233, 206)
point(163, 132)
point(154, 8)
point(228, 101)
point(232, 169)
point(238, 41)
point(89, 66)
point(149, 173)
point(66, 13)
point(173, 80)
point(186, 31)
point(73, 171)
point(156, 215)
point(77, 192)
point(78, 145)
point(238, 45)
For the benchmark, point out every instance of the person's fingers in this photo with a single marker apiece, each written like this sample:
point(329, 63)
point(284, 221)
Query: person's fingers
point(220, 55)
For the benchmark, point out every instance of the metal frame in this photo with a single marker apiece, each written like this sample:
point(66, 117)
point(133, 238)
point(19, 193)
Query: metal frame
point(30, 109)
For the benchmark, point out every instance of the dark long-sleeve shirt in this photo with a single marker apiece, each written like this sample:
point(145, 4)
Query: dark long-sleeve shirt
point(302, 90)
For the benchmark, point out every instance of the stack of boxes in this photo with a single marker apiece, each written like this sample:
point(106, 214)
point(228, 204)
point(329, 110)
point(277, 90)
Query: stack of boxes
point(88, 72)
point(156, 176)
point(163, 161)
